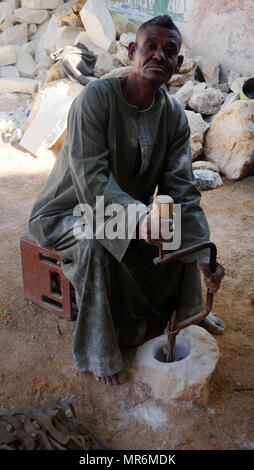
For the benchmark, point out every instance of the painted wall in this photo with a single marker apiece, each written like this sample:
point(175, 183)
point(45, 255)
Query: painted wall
point(222, 29)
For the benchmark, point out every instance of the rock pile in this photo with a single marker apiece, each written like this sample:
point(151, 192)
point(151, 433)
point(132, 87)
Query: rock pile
point(33, 31)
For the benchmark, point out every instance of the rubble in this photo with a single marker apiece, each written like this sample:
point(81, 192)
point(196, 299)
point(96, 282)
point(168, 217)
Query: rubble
point(184, 94)
point(5, 11)
point(229, 143)
point(198, 129)
point(16, 34)
point(55, 72)
point(84, 38)
point(127, 38)
point(6, 24)
point(31, 29)
point(48, 118)
point(21, 85)
point(210, 70)
point(123, 55)
point(7, 55)
point(123, 25)
point(27, 15)
point(9, 71)
point(207, 179)
point(208, 102)
point(118, 72)
point(236, 85)
point(189, 62)
point(42, 4)
point(179, 79)
point(104, 64)
point(25, 63)
point(204, 165)
point(231, 98)
point(98, 23)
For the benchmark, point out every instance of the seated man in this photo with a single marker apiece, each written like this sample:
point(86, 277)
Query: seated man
point(125, 137)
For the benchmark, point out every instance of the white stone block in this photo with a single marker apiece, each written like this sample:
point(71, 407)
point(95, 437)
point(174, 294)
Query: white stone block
point(20, 85)
point(7, 23)
point(14, 35)
point(5, 11)
point(41, 28)
point(84, 38)
point(204, 165)
point(184, 94)
point(27, 15)
point(42, 4)
point(185, 379)
point(30, 47)
point(9, 71)
point(7, 55)
point(210, 70)
point(49, 116)
point(123, 25)
point(31, 29)
point(98, 23)
point(127, 38)
point(104, 64)
point(118, 72)
point(122, 54)
point(25, 63)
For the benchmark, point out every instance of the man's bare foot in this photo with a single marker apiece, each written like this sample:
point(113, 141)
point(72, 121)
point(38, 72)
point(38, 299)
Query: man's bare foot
point(108, 379)
point(213, 324)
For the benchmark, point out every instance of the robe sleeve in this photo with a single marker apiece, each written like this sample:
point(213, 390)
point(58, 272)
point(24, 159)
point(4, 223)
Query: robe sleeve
point(178, 182)
point(89, 164)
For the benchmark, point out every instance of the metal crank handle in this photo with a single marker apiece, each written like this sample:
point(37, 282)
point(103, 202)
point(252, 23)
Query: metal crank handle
point(209, 298)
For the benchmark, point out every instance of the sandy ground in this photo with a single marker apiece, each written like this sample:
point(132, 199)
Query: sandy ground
point(36, 361)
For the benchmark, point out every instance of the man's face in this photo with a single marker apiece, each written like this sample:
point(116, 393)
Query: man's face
point(155, 55)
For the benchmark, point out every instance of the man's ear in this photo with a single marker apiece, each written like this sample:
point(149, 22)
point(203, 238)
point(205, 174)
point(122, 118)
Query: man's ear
point(179, 63)
point(132, 50)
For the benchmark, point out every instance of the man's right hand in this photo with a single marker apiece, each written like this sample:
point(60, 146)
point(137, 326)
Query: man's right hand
point(147, 230)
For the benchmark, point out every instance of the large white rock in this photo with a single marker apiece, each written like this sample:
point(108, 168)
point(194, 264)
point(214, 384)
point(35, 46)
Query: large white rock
point(30, 47)
point(9, 71)
point(118, 72)
point(20, 85)
point(207, 179)
point(40, 31)
point(207, 102)
point(122, 54)
point(14, 35)
point(84, 38)
point(7, 23)
point(7, 55)
point(98, 23)
point(123, 25)
point(186, 379)
point(198, 129)
point(57, 36)
point(127, 38)
point(25, 63)
point(210, 70)
point(229, 143)
point(27, 15)
point(5, 10)
point(184, 94)
point(104, 64)
point(48, 119)
point(179, 79)
point(42, 4)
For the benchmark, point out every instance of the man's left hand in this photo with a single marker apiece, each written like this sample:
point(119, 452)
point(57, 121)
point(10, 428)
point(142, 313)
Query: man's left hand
point(212, 280)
